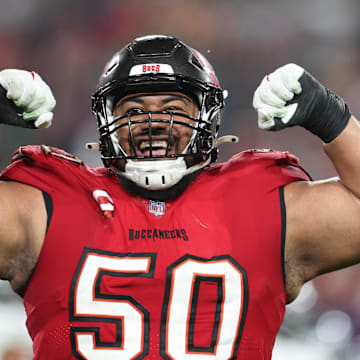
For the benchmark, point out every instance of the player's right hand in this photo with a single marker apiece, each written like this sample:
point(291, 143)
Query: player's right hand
point(31, 94)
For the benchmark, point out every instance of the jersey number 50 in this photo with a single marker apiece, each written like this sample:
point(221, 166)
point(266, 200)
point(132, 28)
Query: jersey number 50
point(131, 320)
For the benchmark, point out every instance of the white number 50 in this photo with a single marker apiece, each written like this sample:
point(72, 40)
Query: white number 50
point(132, 321)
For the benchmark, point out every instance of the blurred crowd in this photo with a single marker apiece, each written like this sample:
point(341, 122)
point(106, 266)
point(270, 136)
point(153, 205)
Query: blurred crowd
point(68, 43)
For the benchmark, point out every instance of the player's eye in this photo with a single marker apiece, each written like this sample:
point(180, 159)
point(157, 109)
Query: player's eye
point(174, 108)
point(134, 111)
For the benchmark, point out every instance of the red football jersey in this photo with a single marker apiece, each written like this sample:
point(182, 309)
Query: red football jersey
point(121, 277)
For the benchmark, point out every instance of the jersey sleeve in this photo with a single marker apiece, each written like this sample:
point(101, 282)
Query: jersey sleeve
point(43, 167)
point(271, 167)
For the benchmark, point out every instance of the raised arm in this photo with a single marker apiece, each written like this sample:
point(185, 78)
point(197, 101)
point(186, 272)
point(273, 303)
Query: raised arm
point(22, 231)
point(322, 217)
point(23, 217)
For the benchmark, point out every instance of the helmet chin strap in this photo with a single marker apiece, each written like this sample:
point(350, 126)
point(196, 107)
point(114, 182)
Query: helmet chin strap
point(161, 174)
point(158, 174)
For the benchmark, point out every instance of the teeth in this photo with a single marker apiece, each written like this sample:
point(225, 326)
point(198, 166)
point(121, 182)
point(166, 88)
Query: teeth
point(158, 144)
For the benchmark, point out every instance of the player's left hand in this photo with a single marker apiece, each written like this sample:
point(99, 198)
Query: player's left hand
point(291, 96)
point(273, 94)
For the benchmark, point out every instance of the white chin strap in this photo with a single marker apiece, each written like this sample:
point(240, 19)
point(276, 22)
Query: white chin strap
point(158, 174)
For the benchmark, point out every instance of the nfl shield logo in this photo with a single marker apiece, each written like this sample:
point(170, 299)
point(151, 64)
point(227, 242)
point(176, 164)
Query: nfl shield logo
point(157, 207)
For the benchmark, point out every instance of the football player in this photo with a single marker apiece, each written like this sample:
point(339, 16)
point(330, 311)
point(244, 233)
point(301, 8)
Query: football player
point(159, 254)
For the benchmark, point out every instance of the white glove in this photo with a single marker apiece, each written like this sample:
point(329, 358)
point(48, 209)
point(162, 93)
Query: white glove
point(29, 92)
point(273, 93)
point(291, 96)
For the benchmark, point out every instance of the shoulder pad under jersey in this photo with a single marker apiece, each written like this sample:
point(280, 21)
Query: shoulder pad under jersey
point(276, 155)
point(34, 152)
point(265, 159)
point(48, 168)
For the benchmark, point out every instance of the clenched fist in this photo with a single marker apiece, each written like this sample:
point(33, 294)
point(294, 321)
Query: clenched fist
point(291, 96)
point(32, 97)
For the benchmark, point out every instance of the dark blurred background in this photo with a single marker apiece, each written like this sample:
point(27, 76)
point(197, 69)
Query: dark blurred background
point(68, 43)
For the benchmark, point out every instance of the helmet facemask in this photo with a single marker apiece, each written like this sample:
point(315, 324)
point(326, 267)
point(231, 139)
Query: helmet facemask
point(159, 147)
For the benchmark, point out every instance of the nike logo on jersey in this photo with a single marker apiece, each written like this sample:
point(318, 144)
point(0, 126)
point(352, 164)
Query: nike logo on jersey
point(155, 234)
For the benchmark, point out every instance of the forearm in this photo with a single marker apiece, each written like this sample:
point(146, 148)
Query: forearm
point(344, 152)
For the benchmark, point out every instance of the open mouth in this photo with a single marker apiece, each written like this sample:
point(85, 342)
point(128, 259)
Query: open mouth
point(158, 147)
